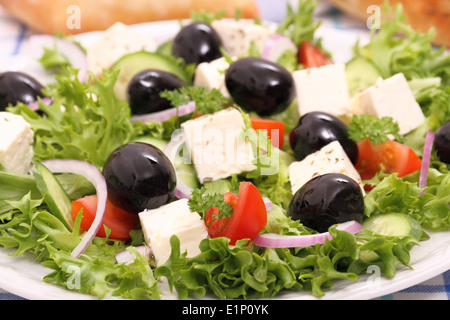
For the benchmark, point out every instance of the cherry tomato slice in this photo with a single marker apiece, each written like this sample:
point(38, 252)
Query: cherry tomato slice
point(388, 157)
point(248, 219)
point(120, 222)
point(275, 130)
point(311, 56)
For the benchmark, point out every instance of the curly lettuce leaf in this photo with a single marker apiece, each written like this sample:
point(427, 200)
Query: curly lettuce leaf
point(31, 228)
point(429, 206)
point(85, 121)
point(300, 25)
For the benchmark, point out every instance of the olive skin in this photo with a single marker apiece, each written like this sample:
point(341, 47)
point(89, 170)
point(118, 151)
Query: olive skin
point(317, 129)
point(261, 86)
point(18, 87)
point(144, 89)
point(442, 143)
point(327, 200)
point(139, 176)
point(196, 43)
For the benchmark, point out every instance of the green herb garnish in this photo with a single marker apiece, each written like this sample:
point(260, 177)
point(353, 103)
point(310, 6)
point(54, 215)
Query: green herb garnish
point(206, 100)
point(377, 130)
point(201, 202)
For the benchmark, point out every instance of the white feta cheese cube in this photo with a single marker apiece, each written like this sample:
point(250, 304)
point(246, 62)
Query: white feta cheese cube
point(174, 218)
point(16, 139)
point(393, 98)
point(322, 89)
point(330, 159)
point(238, 35)
point(217, 145)
point(212, 75)
point(115, 42)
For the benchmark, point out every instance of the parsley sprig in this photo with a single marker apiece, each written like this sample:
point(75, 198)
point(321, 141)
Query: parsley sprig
point(206, 100)
point(377, 130)
point(201, 202)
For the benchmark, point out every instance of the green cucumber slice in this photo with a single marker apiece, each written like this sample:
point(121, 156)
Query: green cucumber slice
point(361, 74)
point(394, 224)
point(130, 64)
point(55, 197)
point(185, 171)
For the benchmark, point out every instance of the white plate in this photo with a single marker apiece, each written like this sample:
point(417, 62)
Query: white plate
point(23, 276)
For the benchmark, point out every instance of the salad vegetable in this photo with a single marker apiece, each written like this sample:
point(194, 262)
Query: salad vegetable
point(100, 165)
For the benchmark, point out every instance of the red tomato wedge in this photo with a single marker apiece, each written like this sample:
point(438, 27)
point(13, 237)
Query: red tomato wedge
point(120, 222)
point(275, 130)
point(311, 56)
point(389, 157)
point(248, 219)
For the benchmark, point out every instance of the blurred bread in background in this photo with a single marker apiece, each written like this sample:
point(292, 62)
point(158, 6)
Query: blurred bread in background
point(421, 14)
point(76, 16)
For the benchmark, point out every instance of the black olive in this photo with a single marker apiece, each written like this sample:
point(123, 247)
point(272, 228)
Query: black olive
point(442, 143)
point(327, 200)
point(197, 42)
point(18, 87)
point(139, 176)
point(317, 129)
point(145, 88)
point(261, 86)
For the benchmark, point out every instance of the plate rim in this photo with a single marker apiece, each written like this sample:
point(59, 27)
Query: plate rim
point(56, 292)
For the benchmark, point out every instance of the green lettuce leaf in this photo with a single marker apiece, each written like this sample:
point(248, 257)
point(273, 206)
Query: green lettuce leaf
point(429, 206)
point(84, 122)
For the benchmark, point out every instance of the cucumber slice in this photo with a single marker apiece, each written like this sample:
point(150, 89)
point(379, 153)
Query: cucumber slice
point(361, 74)
point(132, 63)
point(55, 197)
point(165, 48)
point(394, 224)
point(159, 143)
point(185, 171)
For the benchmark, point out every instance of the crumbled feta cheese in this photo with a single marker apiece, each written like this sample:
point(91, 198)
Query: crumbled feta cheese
point(212, 75)
point(238, 35)
point(330, 159)
point(322, 89)
point(114, 43)
point(174, 218)
point(16, 139)
point(217, 145)
point(393, 98)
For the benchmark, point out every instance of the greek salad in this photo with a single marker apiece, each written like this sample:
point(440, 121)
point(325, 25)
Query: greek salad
point(236, 159)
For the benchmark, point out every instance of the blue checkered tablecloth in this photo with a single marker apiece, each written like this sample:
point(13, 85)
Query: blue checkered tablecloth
point(13, 34)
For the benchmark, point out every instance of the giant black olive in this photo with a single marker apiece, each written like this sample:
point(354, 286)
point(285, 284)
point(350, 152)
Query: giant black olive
point(327, 200)
point(442, 143)
point(317, 129)
point(18, 87)
point(144, 90)
point(258, 85)
point(139, 176)
point(197, 42)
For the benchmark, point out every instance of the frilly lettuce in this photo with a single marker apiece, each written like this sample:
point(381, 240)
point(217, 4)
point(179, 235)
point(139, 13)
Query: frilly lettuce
point(85, 121)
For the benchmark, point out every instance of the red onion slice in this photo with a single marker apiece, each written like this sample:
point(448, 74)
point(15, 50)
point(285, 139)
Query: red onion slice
point(166, 114)
point(93, 175)
point(182, 190)
point(70, 50)
point(126, 257)
point(272, 240)
point(268, 203)
point(426, 156)
point(275, 46)
point(35, 105)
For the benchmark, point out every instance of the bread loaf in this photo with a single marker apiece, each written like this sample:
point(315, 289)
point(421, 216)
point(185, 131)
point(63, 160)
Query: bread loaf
point(77, 16)
point(421, 14)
